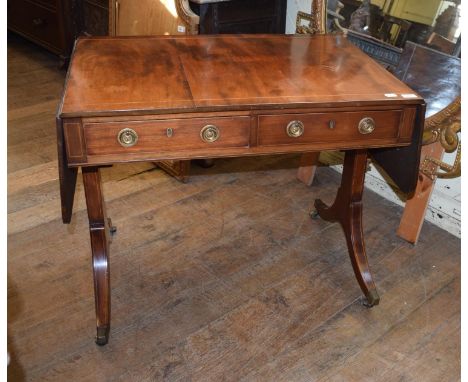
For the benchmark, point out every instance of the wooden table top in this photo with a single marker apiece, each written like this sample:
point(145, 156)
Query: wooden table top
point(162, 74)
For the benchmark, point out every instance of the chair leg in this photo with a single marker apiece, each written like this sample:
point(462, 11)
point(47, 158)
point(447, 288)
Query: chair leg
point(307, 166)
point(415, 208)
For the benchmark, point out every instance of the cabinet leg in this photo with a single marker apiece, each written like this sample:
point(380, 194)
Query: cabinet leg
point(347, 210)
point(98, 228)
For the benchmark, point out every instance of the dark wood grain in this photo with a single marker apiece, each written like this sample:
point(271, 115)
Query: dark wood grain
point(101, 139)
point(223, 72)
point(301, 70)
point(436, 76)
point(50, 23)
point(98, 229)
point(125, 73)
point(74, 140)
point(272, 128)
point(43, 24)
point(421, 66)
point(255, 132)
point(67, 175)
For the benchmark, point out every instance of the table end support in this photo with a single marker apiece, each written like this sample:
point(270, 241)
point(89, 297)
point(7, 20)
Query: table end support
point(99, 234)
point(347, 210)
point(371, 299)
point(102, 335)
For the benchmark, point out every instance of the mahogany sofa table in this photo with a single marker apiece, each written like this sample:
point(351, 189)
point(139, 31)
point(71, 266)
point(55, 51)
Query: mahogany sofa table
point(156, 98)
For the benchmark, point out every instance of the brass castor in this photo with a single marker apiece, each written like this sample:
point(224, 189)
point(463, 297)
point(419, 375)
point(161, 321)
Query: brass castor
point(102, 335)
point(112, 228)
point(314, 214)
point(372, 299)
point(205, 163)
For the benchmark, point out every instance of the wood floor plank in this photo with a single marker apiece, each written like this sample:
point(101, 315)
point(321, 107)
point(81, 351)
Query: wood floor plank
point(326, 348)
point(425, 355)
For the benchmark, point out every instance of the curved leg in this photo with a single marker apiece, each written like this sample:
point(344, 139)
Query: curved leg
point(347, 210)
point(98, 228)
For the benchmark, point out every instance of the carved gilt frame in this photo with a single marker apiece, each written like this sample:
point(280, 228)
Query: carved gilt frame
point(188, 17)
point(317, 19)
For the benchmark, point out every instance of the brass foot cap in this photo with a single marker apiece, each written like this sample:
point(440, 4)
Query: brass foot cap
point(102, 336)
point(314, 214)
point(372, 299)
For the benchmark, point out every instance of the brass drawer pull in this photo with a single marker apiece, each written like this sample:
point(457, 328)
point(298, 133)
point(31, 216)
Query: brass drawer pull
point(366, 125)
point(37, 22)
point(127, 137)
point(331, 124)
point(209, 134)
point(295, 129)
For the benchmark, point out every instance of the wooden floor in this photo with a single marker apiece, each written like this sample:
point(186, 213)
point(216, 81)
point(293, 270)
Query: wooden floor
point(225, 278)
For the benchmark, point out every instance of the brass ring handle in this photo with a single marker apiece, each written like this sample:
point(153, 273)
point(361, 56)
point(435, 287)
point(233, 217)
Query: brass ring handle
point(37, 22)
point(127, 137)
point(366, 125)
point(295, 129)
point(209, 133)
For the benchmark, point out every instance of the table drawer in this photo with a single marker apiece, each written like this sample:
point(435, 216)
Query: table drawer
point(329, 127)
point(170, 135)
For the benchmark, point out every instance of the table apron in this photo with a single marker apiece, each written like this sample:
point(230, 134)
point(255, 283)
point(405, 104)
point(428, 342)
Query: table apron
point(99, 142)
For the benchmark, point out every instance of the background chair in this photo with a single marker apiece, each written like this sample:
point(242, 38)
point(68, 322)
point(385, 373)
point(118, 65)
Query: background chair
point(394, 30)
point(440, 43)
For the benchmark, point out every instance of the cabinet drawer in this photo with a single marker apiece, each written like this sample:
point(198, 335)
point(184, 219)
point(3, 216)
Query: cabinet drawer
point(37, 22)
point(163, 136)
point(328, 127)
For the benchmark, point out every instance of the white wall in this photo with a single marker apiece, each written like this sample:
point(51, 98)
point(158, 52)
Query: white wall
point(445, 205)
point(291, 13)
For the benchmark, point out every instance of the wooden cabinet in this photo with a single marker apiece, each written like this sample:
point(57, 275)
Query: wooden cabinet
point(55, 24)
point(240, 16)
point(48, 23)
